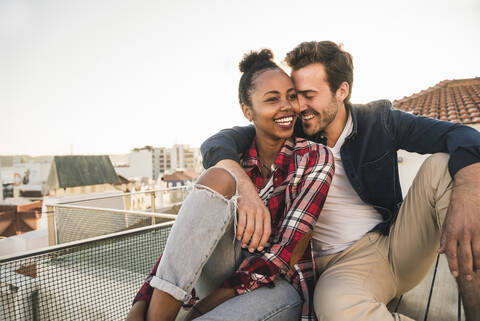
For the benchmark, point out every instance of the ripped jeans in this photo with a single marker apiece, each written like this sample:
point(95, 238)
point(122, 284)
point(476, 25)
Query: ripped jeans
point(202, 252)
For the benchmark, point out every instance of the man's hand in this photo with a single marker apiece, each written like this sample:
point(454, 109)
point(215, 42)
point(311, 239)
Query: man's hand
point(460, 239)
point(254, 226)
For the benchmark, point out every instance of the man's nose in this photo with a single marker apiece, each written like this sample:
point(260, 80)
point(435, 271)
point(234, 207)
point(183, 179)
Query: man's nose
point(302, 102)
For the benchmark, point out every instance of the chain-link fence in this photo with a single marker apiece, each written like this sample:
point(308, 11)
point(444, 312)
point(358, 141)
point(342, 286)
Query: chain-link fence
point(95, 279)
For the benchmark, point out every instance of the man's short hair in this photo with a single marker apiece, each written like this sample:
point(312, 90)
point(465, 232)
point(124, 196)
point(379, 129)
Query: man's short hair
point(338, 63)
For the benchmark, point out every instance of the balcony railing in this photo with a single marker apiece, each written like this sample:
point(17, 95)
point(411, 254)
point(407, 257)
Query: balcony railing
point(101, 249)
point(94, 279)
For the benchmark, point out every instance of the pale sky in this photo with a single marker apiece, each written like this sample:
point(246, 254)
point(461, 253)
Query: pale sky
point(109, 75)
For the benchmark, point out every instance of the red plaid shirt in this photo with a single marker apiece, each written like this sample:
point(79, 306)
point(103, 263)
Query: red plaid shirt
point(302, 176)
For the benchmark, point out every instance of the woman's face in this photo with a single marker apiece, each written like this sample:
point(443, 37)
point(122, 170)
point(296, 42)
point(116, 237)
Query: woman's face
point(274, 104)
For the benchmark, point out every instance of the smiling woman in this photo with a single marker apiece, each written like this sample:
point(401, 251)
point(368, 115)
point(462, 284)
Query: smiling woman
point(274, 277)
point(268, 99)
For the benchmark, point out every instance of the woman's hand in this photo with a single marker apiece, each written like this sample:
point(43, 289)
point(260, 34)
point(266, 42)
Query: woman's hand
point(210, 302)
point(253, 227)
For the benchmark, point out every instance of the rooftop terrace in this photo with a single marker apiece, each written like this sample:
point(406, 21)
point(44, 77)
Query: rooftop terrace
point(102, 256)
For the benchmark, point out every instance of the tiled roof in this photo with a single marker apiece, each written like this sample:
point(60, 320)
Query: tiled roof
point(79, 170)
point(452, 100)
point(186, 175)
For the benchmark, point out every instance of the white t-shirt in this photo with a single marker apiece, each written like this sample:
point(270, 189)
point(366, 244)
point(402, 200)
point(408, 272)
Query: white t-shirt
point(345, 218)
point(267, 191)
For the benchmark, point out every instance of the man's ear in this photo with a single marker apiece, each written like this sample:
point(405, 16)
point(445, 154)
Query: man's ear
point(247, 112)
point(342, 91)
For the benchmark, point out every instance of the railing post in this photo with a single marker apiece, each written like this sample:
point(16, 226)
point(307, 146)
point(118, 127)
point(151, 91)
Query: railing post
point(152, 205)
point(52, 233)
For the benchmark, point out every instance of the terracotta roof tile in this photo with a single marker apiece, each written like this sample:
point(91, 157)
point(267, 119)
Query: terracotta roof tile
point(186, 175)
point(450, 100)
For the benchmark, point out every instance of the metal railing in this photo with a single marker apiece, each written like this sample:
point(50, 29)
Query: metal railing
point(141, 200)
point(86, 218)
point(94, 279)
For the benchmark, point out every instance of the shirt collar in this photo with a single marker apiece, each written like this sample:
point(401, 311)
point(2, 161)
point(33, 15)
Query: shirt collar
point(346, 132)
point(352, 109)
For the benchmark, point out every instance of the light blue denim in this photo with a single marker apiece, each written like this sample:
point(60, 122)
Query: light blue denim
point(202, 252)
point(281, 303)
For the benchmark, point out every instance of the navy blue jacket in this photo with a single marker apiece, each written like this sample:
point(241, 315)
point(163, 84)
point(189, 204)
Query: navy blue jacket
point(369, 153)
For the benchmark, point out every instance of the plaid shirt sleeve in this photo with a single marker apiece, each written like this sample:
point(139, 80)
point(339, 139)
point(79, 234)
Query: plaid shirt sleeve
point(311, 174)
point(146, 291)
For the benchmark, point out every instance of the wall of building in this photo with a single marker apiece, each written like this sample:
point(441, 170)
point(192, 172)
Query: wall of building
point(82, 190)
point(409, 164)
point(139, 165)
point(26, 176)
point(154, 163)
point(476, 126)
point(162, 161)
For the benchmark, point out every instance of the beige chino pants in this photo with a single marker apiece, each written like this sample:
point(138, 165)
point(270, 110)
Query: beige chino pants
point(356, 283)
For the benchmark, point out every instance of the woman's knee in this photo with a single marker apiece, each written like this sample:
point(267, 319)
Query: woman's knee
point(219, 180)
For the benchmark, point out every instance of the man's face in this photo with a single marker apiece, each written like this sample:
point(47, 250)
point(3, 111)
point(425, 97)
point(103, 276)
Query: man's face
point(318, 105)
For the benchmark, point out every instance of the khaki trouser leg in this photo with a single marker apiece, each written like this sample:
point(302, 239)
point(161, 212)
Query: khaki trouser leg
point(415, 237)
point(357, 283)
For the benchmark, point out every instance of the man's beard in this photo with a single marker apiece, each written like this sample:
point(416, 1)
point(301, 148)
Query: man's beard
point(324, 119)
point(329, 115)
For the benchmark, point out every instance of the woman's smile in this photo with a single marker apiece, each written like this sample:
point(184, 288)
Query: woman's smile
point(285, 122)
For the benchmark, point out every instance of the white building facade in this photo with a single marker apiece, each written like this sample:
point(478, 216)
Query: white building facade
point(153, 162)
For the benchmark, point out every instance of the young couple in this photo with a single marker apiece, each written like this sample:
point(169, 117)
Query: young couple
point(368, 245)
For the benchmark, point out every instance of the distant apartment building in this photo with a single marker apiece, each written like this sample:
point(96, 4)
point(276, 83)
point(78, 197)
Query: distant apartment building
point(184, 157)
point(161, 162)
point(153, 162)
